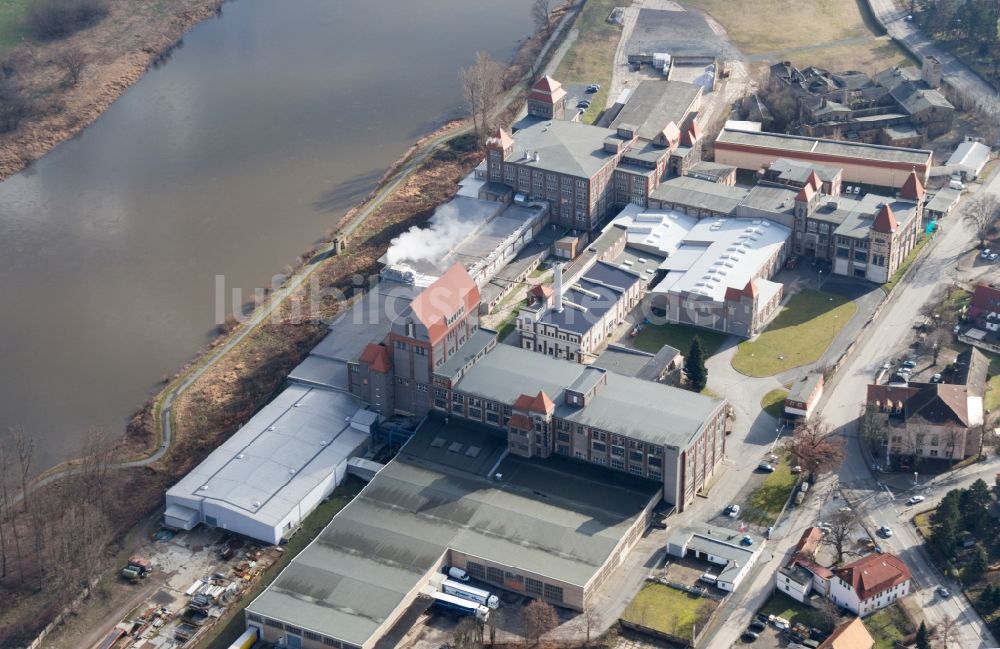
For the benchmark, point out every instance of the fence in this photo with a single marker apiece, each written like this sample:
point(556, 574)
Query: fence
point(51, 626)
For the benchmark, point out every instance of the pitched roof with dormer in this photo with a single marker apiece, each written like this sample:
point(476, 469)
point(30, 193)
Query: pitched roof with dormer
point(885, 220)
point(547, 89)
point(874, 574)
point(540, 403)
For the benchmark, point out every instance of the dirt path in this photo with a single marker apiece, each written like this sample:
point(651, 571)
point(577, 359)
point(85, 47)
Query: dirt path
point(119, 49)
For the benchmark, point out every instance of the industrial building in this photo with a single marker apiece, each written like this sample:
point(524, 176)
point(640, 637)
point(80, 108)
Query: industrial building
point(719, 546)
point(872, 164)
point(266, 478)
point(553, 529)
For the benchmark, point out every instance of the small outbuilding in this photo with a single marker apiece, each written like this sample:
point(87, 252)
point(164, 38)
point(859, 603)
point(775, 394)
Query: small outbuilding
point(969, 159)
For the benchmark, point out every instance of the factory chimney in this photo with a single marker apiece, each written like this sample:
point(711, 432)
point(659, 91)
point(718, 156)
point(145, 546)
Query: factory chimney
point(559, 287)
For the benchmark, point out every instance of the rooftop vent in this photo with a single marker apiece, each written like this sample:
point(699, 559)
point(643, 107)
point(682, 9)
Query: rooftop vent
point(291, 472)
point(203, 487)
point(240, 456)
point(256, 503)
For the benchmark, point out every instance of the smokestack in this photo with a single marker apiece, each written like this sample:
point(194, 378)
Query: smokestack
point(559, 287)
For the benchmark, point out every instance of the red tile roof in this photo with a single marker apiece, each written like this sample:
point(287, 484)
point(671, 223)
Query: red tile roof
point(874, 574)
point(443, 299)
point(692, 134)
point(808, 543)
point(734, 294)
point(813, 180)
point(377, 358)
point(539, 403)
point(547, 89)
point(806, 193)
point(547, 84)
point(521, 422)
point(850, 635)
point(671, 134)
point(985, 299)
point(885, 220)
point(912, 189)
point(541, 291)
point(501, 139)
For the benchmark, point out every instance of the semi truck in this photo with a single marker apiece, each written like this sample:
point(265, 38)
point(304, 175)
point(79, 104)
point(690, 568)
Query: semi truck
point(460, 606)
point(471, 593)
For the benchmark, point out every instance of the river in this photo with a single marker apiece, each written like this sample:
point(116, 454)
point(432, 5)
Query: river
point(230, 159)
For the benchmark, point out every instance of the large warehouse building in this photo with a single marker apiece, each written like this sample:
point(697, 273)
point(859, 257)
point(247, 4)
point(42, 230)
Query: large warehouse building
point(885, 166)
point(553, 529)
point(276, 469)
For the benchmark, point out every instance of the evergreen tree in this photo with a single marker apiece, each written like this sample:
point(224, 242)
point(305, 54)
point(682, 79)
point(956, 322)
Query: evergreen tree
point(923, 640)
point(945, 524)
point(978, 563)
point(694, 366)
point(996, 598)
point(986, 599)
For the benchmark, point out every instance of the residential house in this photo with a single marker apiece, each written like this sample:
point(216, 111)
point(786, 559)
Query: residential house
point(870, 583)
point(801, 576)
point(719, 546)
point(934, 420)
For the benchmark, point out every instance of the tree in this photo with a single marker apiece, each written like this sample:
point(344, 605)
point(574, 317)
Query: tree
point(923, 639)
point(839, 536)
point(73, 60)
point(465, 635)
point(978, 563)
point(481, 85)
point(874, 430)
point(782, 102)
point(815, 447)
point(945, 525)
point(591, 618)
point(982, 213)
point(539, 618)
point(974, 504)
point(694, 366)
point(541, 15)
point(947, 632)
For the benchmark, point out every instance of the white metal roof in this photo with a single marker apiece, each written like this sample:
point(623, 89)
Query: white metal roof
point(271, 463)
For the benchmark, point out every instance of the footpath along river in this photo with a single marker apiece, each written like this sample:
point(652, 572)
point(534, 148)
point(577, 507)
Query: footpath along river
point(230, 159)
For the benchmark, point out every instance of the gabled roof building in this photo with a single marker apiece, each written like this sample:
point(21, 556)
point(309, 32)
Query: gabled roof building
point(870, 583)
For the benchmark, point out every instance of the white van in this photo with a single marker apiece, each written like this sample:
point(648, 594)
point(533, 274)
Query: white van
point(709, 578)
point(955, 183)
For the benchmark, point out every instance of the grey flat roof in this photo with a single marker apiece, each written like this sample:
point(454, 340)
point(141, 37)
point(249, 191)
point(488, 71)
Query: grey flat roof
point(653, 104)
point(943, 200)
point(643, 410)
point(767, 198)
point(564, 147)
point(557, 518)
point(603, 280)
point(476, 343)
point(368, 320)
point(624, 360)
point(856, 216)
point(703, 194)
point(274, 460)
point(803, 144)
point(799, 172)
point(803, 387)
point(970, 155)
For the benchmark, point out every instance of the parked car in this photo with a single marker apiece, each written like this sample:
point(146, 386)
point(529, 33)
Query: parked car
point(845, 510)
point(885, 531)
point(757, 626)
point(796, 469)
point(943, 592)
point(915, 499)
point(734, 511)
point(993, 256)
point(985, 254)
point(746, 540)
point(584, 103)
point(765, 467)
point(594, 87)
point(749, 636)
point(910, 363)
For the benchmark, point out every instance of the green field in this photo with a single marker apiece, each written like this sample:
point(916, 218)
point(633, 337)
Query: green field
point(888, 625)
point(773, 403)
point(800, 334)
point(767, 500)
point(784, 606)
point(12, 31)
point(653, 337)
point(669, 610)
point(589, 58)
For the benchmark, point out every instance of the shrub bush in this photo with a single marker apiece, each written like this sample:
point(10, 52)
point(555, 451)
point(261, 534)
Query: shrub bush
point(54, 19)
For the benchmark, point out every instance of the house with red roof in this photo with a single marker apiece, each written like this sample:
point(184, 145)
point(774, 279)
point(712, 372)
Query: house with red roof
point(801, 576)
point(870, 583)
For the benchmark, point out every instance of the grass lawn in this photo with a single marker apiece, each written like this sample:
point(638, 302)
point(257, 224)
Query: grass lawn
point(872, 54)
point(590, 57)
point(509, 323)
point(923, 523)
point(653, 337)
point(668, 610)
point(799, 335)
point(784, 606)
point(992, 399)
point(766, 501)
point(231, 625)
point(12, 30)
point(891, 284)
point(773, 403)
point(888, 625)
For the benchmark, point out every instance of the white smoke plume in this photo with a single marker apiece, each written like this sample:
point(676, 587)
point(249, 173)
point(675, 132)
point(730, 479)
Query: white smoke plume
point(447, 228)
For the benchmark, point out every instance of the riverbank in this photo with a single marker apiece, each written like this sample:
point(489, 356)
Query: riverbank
point(242, 369)
point(118, 50)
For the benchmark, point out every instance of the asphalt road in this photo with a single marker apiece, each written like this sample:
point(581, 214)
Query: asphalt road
point(970, 85)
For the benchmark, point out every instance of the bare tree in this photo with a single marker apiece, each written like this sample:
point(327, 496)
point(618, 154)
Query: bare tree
point(541, 15)
point(9, 516)
point(24, 448)
point(936, 339)
point(539, 618)
point(914, 437)
point(465, 635)
point(839, 536)
point(947, 632)
point(815, 447)
point(482, 83)
point(781, 101)
point(72, 60)
point(591, 618)
point(982, 213)
point(874, 428)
